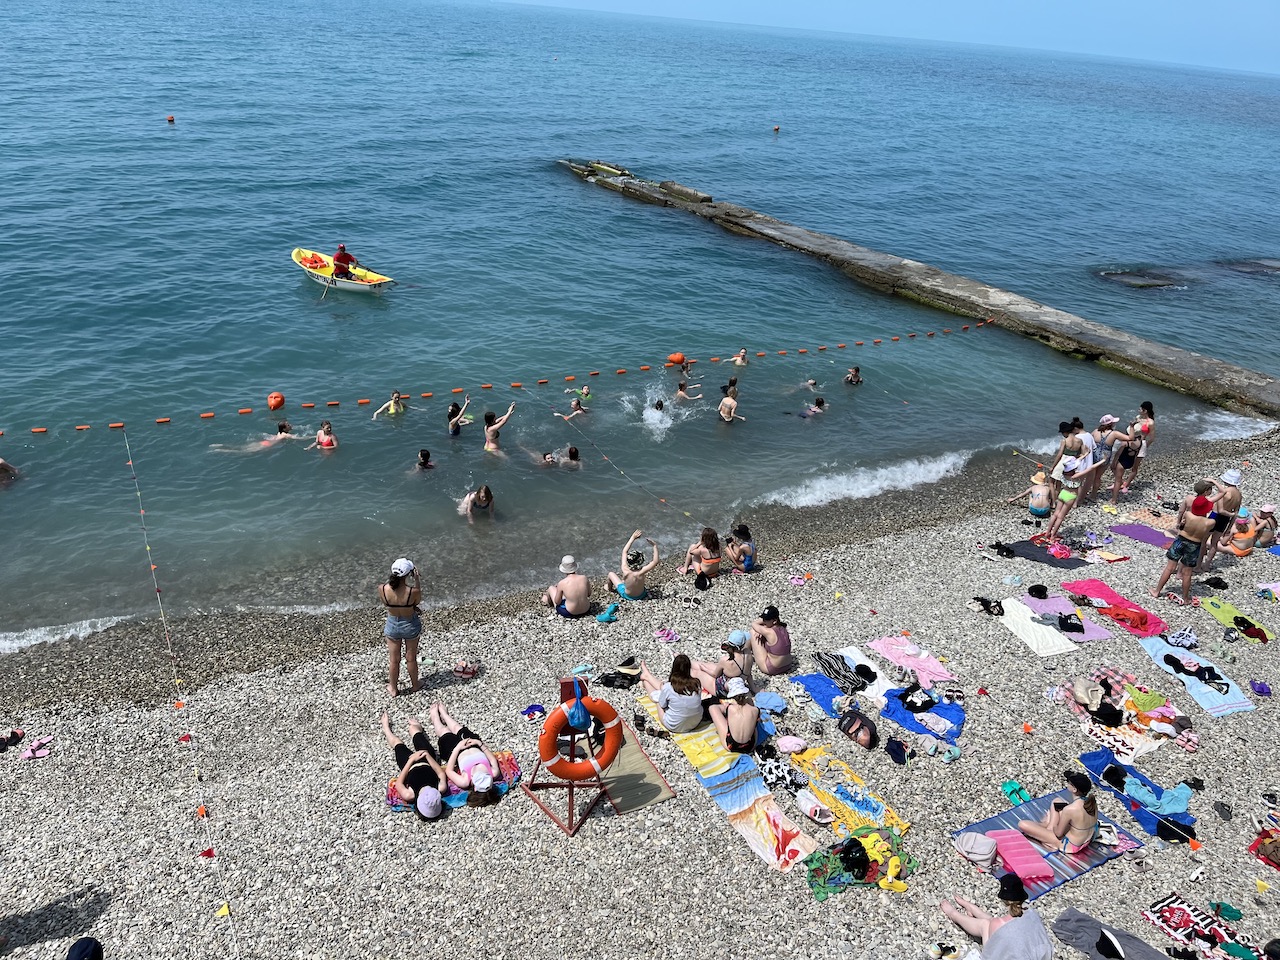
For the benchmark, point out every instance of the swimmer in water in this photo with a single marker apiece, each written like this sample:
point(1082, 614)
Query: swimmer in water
point(575, 409)
point(492, 424)
point(283, 432)
point(853, 377)
point(818, 406)
point(659, 406)
point(393, 406)
point(424, 462)
point(457, 417)
point(325, 439)
point(583, 392)
point(547, 459)
point(682, 392)
point(740, 358)
point(479, 500)
point(811, 385)
point(728, 409)
point(572, 460)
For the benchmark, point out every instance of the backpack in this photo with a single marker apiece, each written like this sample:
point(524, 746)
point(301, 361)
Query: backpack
point(977, 848)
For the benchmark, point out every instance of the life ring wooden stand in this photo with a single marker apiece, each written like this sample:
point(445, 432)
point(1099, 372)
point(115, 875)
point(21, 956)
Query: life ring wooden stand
point(585, 773)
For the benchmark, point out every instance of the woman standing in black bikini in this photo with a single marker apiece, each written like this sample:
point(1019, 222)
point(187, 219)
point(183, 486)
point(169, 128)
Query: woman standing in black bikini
point(401, 596)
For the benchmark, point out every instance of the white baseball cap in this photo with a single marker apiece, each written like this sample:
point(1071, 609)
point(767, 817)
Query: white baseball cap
point(481, 780)
point(402, 567)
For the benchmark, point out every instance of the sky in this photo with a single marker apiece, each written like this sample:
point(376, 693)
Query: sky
point(1227, 34)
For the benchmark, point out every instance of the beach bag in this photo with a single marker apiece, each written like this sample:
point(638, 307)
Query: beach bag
point(579, 717)
point(977, 848)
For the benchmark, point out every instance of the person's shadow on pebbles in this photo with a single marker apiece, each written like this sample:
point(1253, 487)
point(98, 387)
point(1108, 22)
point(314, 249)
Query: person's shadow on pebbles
point(74, 913)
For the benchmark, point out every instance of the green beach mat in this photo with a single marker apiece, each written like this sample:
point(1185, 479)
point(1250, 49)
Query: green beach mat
point(1225, 613)
point(632, 782)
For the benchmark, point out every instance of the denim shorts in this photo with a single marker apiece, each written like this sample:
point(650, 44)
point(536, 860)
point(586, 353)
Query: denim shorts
point(403, 628)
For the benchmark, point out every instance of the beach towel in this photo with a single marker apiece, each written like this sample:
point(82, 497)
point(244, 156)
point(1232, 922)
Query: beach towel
point(1061, 606)
point(952, 713)
point(1255, 848)
point(1099, 760)
point(903, 652)
point(1192, 927)
point(823, 690)
point(1022, 938)
point(876, 690)
point(632, 782)
point(1104, 556)
point(1219, 698)
point(1148, 624)
point(825, 869)
point(1135, 737)
point(1144, 534)
point(1166, 520)
point(1226, 614)
point(1037, 553)
point(1274, 551)
point(735, 783)
point(509, 776)
point(1081, 931)
point(1044, 641)
point(836, 785)
point(1065, 866)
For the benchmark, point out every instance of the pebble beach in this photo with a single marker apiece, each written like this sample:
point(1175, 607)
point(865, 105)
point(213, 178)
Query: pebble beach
point(285, 757)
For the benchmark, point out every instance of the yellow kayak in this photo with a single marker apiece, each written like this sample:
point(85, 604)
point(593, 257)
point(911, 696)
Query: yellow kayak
point(319, 267)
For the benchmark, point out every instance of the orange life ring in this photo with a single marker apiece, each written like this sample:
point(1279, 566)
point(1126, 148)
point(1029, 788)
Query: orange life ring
point(593, 766)
point(314, 261)
point(676, 358)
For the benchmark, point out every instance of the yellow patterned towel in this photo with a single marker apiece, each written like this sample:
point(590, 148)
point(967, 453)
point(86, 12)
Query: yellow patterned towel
point(843, 791)
point(702, 747)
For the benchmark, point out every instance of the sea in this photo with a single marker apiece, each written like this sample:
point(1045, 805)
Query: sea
point(149, 278)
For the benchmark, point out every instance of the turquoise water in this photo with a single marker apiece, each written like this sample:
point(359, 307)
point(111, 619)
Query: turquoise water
point(150, 277)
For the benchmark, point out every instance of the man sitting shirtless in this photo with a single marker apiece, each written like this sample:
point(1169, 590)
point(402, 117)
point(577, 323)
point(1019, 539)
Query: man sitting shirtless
point(571, 597)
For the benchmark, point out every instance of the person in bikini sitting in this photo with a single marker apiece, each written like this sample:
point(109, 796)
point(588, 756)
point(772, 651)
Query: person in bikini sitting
point(1070, 826)
point(629, 584)
point(1039, 496)
point(704, 555)
point(735, 721)
point(1184, 553)
point(1264, 521)
point(771, 643)
point(741, 549)
point(736, 664)
point(571, 597)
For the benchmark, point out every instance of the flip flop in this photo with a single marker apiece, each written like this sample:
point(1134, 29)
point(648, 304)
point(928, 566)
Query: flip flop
point(465, 670)
point(534, 712)
point(583, 669)
point(1260, 687)
point(35, 754)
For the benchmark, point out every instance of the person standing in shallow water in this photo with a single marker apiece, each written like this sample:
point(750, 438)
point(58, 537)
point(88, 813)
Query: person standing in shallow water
point(401, 595)
point(492, 424)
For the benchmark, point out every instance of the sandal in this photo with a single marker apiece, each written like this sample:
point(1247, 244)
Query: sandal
point(952, 755)
point(465, 671)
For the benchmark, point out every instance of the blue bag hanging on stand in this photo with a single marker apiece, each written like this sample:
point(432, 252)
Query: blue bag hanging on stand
point(577, 713)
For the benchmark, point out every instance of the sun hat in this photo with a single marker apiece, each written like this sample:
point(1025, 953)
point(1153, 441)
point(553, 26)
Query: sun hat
point(770, 613)
point(402, 567)
point(1202, 487)
point(481, 780)
point(1080, 781)
point(1201, 506)
point(737, 687)
point(1231, 477)
point(568, 564)
point(738, 639)
point(1107, 420)
point(428, 803)
point(1267, 508)
point(1038, 477)
point(1243, 516)
point(1011, 889)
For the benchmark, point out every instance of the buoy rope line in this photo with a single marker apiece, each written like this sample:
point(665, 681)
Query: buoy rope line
point(183, 717)
point(520, 385)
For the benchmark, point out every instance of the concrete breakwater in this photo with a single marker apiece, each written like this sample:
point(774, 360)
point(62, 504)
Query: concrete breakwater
point(1206, 378)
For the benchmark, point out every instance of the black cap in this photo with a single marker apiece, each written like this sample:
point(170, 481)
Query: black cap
point(1012, 890)
point(1078, 780)
point(86, 948)
point(770, 613)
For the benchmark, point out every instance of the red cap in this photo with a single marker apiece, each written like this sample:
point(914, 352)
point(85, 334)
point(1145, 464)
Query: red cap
point(1201, 506)
point(342, 246)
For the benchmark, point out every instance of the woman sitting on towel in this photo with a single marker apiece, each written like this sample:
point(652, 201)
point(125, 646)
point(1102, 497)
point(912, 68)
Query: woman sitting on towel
point(679, 700)
point(470, 765)
point(736, 720)
point(1069, 827)
point(1020, 934)
point(703, 556)
point(735, 664)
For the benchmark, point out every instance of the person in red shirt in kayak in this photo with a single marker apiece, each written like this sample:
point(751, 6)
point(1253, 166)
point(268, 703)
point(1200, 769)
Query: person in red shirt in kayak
point(342, 263)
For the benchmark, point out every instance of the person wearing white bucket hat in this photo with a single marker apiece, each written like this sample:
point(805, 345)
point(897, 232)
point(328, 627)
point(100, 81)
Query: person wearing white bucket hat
point(736, 718)
point(401, 595)
point(1226, 499)
point(571, 597)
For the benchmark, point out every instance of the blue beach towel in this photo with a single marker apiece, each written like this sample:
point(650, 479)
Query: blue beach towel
point(1099, 760)
point(738, 787)
point(823, 690)
point(895, 711)
point(1214, 702)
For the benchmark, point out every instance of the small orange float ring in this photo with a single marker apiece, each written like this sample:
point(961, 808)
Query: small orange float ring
point(594, 766)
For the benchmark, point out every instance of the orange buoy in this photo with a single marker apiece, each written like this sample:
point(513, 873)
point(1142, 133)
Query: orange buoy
point(362, 402)
point(668, 364)
point(570, 379)
point(593, 766)
point(965, 327)
point(822, 348)
point(39, 429)
point(946, 329)
point(427, 396)
point(676, 357)
point(275, 400)
point(929, 334)
point(715, 359)
point(877, 341)
point(776, 128)
point(594, 373)
point(332, 403)
point(169, 119)
point(544, 382)
point(622, 371)
point(83, 426)
point(518, 386)
point(840, 346)
point(243, 410)
point(158, 420)
point(206, 416)
point(911, 336)
point(459, 390)
point(760, 354)
point(308, 406)
point(895, 339)
point(802, 350)
point(644, 366)
point(486, 386)
point(782, 353)
point(116, 426)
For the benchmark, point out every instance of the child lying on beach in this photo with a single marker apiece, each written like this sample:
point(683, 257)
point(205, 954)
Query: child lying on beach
point(421, 775)
point(470, 765)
